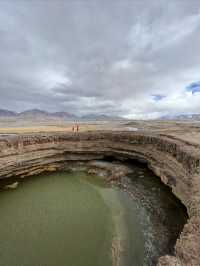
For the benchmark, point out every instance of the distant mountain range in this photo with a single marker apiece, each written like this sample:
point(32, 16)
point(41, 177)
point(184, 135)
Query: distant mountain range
point(7, 113)
point(37, 114)
point(182, 117)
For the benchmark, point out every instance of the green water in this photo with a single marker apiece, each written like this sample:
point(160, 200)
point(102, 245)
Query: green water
point(68, 219)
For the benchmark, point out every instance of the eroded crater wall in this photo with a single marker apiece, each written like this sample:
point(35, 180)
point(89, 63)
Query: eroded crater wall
point(174, 161)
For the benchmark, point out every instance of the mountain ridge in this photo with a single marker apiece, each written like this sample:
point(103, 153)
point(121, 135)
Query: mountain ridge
point(39, 114)
point(182, 117)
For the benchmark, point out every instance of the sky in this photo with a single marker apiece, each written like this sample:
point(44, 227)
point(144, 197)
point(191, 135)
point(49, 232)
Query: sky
point(130, 58)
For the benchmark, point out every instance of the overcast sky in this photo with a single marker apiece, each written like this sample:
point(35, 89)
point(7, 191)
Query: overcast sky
point(139, 59)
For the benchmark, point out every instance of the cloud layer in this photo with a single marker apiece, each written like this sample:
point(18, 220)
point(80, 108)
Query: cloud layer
point(131, 58)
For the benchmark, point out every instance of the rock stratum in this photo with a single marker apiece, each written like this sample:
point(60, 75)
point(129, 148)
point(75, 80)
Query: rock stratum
point(175, 161)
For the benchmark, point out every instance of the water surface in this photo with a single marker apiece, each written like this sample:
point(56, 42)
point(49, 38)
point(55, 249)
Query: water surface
point(69, 219)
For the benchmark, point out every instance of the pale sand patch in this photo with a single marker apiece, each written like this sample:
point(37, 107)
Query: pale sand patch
point(33, 129)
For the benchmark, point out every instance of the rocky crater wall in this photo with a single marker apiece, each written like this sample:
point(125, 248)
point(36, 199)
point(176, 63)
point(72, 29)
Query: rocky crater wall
point(174, 161)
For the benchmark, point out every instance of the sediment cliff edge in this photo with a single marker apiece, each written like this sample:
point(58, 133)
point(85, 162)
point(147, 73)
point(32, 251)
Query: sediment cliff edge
point(175, 161)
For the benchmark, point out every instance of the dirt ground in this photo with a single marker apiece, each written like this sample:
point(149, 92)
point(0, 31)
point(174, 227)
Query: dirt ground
point(188, 131)
point(16, 127)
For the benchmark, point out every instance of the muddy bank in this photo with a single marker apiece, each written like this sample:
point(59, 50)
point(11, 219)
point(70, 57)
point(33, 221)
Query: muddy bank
point(161, 214)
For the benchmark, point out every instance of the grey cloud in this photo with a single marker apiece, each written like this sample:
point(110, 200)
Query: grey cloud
point(98, 56)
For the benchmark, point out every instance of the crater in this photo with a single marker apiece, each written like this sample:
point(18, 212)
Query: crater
point(100, 198)
point(76, 218)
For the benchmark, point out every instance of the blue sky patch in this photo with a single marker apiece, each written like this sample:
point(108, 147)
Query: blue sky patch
point(194, 87)
point(158, 97)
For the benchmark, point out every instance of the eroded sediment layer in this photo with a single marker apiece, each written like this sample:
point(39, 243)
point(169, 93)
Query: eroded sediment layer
point(174, 161)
